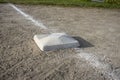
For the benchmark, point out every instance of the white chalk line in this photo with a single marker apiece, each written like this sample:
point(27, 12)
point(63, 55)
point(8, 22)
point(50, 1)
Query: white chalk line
point(98, 63)
point(93, 60)
point(28, 17)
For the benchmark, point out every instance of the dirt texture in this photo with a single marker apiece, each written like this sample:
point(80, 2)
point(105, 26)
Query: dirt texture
point(98, 31)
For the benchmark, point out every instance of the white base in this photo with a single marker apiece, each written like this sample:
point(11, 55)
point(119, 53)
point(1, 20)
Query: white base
point(55, 41)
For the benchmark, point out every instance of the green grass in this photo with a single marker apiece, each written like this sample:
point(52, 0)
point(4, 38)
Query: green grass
point(80, 3)
point(2, 1)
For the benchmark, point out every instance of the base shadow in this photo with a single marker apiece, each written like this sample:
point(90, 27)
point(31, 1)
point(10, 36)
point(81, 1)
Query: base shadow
point(83, 43)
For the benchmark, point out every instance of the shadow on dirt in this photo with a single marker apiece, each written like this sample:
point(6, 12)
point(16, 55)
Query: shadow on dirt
point(83, 43)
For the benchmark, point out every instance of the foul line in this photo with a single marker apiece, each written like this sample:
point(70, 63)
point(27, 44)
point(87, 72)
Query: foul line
point(92, 59)
point(28, 17)
point(99, 64)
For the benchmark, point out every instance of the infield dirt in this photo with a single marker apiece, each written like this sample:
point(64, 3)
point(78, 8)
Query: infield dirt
point(98, 31)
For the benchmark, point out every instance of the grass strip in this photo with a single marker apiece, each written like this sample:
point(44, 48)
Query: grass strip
point(70, 3)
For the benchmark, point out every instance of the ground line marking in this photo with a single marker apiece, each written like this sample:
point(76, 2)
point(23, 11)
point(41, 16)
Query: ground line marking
point(93, 62)
point(28, 17)
point(96, 62)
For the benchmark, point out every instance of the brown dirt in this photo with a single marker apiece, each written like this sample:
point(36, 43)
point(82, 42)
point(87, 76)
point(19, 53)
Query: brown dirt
point(20, 58)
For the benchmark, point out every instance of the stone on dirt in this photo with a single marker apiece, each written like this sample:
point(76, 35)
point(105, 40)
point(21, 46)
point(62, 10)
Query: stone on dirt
point(99, 0)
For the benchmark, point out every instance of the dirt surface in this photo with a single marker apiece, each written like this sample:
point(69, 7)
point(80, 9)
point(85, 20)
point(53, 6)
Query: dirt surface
point(98, 31)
